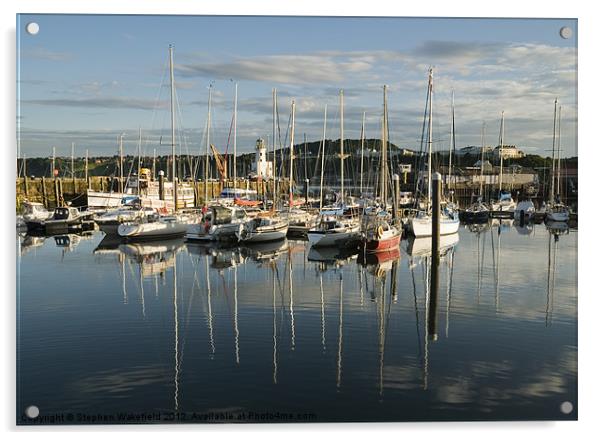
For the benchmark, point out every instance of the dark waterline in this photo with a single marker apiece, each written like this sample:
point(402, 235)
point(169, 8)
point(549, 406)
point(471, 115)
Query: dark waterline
point(177, 332)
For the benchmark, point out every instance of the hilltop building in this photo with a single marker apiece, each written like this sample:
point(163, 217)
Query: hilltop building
point(510, 152)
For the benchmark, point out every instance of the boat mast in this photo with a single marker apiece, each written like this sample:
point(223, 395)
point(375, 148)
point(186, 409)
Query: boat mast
point(86, 166)
point(235, 122)
point(290, 172)
point(154, 161)
point(362, 136)
point(482, 159)
point(383, 160)
point(207, 145)
point(501, 149)
point(452, 142)
point(121, 162)
point(139, 156)
point(553, 173)
point(53, 160)
point(274, 146)
point(173, 129)
point(558, 154)
point(323, 154)
point(72, 160)
point(342, 150)
point(430, 137)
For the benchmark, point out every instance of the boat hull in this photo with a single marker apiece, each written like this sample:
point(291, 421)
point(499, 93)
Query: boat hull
point(109, 228)
point(262, 235)
point(150, 231)
point(474, 216)
point(383, 245)
point(333, 238)
point(197, 232)
point(423, 227)
point(558, 216)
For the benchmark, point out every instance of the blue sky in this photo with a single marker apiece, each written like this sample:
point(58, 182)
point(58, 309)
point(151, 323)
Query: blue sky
point(88, 78)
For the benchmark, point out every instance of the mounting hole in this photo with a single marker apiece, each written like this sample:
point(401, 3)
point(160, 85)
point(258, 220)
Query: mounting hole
point(32, 28)
point(566, 32)
point(566, 407)
point(32, 411)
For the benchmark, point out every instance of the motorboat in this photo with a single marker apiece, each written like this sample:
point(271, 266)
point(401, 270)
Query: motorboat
point(34, 211)
point(63, 219)
point(217, 223)
point(262, 228)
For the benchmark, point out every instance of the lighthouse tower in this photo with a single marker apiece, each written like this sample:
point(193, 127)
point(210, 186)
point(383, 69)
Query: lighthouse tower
point(262, 167)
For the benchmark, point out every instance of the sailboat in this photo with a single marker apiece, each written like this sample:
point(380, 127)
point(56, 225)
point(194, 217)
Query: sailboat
point(299, 220)
point(380, 232)
point(556, 211)
point(155, 226)
point(478, 212)
point(268, 225)
point(504, 206)
point(337, 226)
point(175, 194)
point(420, 224)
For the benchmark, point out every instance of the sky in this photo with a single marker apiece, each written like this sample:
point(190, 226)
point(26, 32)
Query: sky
point(87, 79)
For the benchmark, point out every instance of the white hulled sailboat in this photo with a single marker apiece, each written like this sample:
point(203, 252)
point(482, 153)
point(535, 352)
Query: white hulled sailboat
point(420, 224)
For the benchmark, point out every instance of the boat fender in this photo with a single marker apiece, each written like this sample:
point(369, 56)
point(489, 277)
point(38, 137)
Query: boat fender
point(379, 232)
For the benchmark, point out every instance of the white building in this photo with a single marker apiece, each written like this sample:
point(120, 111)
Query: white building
point(509, 152)
point(262, 166)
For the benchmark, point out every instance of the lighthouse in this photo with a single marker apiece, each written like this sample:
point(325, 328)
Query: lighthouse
point(262, 167)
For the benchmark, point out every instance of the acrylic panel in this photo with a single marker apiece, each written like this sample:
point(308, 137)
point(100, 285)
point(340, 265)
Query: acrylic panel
point(295, 219)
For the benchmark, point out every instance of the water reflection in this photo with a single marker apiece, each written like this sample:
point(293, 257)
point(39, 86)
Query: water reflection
point(284, 326)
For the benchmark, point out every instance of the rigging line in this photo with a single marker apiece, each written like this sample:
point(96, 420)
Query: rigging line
point(282, 161)
point(158, 98)
point(419, 162)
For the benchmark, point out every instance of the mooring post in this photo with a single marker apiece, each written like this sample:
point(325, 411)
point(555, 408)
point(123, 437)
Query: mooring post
point(175, 193)
point(61, 198)
point(306, 191)
point(26, 185)
point(161, 185)
point(434, 290)
point(56, 192)
point(44, 198)
point(396, 197)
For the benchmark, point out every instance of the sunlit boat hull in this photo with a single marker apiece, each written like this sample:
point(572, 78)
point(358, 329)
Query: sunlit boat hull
point(384, 244)
point(153, 230)
point(273, 232)
point(423, 226)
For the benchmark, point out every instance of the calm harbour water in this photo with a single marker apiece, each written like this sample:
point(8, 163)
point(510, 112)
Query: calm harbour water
point(171, 331)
